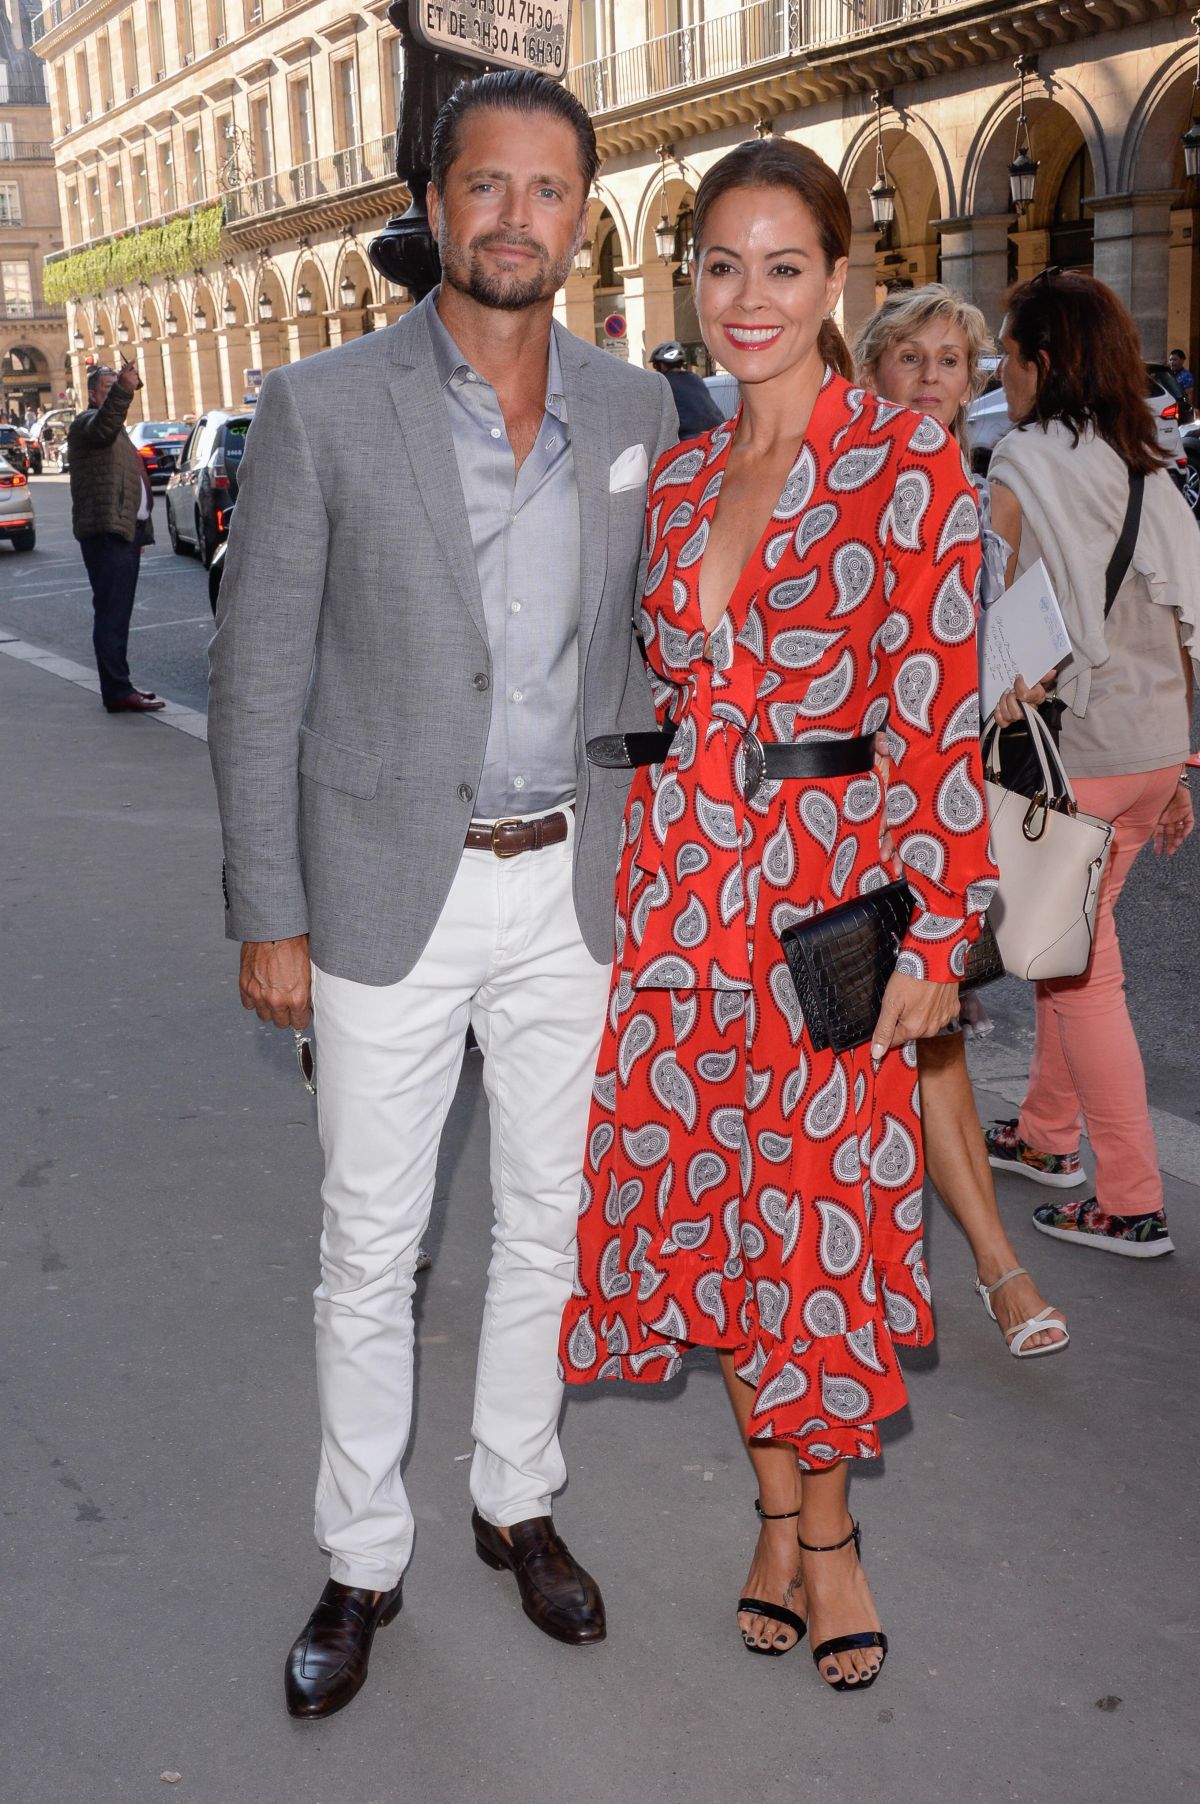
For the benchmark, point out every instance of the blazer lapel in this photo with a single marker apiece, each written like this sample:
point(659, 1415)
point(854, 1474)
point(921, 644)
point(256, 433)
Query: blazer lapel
point(421, 407)
point(588, 418)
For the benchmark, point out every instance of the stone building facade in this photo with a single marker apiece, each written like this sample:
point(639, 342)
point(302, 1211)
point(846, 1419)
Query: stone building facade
point(33, 333)
point(246, 148)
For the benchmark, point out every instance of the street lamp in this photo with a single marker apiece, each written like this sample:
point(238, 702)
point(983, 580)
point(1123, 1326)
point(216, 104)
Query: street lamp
point(304, 300)
point(1191, 137)
point(172, 324)
point(1022, 171)
point(664, 231)
point(77, 339)
point(882, 194)
point(123, 333)
point(347, 292)
point(229, 312)
point(145, 328)
point(199, 318)
point(583, 258)
point(266, 307)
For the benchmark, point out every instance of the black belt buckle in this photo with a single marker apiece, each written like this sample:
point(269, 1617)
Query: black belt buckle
point(754, 764)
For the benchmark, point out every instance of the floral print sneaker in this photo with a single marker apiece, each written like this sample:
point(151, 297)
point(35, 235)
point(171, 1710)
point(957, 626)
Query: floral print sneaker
point(1007, 1152)
point(1087, 1224)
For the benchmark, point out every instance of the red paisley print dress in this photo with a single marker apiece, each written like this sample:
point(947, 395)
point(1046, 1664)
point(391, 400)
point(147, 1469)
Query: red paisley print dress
point(741, 1190)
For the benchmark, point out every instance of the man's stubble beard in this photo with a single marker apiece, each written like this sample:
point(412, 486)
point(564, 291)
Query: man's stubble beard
point(462, 269)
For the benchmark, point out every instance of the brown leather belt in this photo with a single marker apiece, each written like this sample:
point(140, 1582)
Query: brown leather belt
point(509, 838)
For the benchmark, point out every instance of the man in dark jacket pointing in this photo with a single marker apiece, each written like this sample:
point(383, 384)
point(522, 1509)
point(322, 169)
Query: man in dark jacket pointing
point(110, 516)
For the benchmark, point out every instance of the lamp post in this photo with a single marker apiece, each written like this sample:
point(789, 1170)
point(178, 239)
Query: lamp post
point(199, 318)
point(1191, 137)
point(304, 300)
point(882, 194)
point(664, 231)
point(229, 312)
point(347, 293)
point(145, 328)
point(584, 258)
point(1022, 171)
point(266, 307)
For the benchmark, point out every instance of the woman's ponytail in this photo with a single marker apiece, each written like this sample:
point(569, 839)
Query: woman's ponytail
point(835, 350)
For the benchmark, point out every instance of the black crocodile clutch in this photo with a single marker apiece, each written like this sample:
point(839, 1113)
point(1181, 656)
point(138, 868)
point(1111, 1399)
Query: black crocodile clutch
point(841, 961)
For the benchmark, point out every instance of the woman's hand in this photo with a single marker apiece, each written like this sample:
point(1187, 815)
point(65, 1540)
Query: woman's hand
point(1175, 822)
point(1008, 708)
point(913, 1009)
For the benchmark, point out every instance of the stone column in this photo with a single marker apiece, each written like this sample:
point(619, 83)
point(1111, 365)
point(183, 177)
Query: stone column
point(233, 359)
point(1183, 283)
point(975, 261)
point(575, 306)
point(858, 296)
point(1033, 254)
point(1132, 254)
point(649, 307)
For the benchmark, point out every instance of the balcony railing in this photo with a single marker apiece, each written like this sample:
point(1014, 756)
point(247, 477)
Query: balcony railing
point(25, 150)
point(322, 178)
point(55, 14)
point(24, 93)
point(733, 42)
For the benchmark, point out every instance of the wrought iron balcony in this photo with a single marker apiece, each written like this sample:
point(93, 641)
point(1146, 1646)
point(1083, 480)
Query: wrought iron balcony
point(324, 178)
point(25, 150)
point(734, 43)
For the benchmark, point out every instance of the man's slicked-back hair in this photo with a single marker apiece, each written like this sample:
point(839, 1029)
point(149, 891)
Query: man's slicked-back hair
point(517, 91)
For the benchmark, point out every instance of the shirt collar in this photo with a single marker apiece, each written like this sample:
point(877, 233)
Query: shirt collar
point(453, 369)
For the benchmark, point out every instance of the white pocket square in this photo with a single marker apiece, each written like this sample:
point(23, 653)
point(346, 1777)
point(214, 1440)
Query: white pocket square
point(629, 471)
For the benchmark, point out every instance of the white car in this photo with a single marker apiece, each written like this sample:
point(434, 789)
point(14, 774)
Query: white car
point(17, 521)
point(988, 421)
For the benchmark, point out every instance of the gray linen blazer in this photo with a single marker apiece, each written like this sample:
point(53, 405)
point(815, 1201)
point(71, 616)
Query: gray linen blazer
point(350, 679)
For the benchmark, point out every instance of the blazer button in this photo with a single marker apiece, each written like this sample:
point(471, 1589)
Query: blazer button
point(465, 793)
point(482, 680)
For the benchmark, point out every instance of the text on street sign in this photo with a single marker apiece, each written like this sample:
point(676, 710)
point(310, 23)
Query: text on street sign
point(508, 34)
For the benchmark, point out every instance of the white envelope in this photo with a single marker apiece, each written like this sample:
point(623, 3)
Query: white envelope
point(629, 471)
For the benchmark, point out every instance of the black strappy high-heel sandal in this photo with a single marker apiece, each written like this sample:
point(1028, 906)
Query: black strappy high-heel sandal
point(848, 1644)
point(774, 1612)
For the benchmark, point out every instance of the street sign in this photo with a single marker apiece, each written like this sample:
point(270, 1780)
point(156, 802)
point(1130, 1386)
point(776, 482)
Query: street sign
point(615, 326)
point(505, 34)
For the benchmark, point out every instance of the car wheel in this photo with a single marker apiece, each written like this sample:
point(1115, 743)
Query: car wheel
point(26, 540)
point(206, 545)
point(177, 544)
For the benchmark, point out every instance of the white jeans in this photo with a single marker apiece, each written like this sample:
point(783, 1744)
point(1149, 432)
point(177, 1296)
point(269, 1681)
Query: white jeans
point(507, 957)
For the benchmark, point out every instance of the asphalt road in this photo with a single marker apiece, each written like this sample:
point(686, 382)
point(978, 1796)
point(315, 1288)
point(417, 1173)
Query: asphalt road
point(44, 598)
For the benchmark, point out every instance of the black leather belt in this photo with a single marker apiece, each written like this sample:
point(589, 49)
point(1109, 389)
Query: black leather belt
point(770, 763)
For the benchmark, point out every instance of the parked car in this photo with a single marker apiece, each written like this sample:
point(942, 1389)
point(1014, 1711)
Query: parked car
point(17, 521)
point(202, 490)
point(216, 569)
point(158, 444)
point(13, 449)
point(988, 421)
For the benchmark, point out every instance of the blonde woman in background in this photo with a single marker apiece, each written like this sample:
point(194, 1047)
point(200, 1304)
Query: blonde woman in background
point(922, 349)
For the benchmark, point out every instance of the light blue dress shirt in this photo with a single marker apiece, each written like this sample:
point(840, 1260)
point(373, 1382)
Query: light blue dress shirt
point(525, 533)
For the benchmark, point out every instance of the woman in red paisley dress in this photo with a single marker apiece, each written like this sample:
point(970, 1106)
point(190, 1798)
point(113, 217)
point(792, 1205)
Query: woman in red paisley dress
point(812, 568)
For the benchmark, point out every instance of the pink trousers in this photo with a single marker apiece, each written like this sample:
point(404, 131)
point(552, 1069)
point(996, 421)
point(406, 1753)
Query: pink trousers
point(1087, 1069)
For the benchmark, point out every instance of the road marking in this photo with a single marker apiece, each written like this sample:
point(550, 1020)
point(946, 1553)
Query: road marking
point(184, 720)
point(151, 626)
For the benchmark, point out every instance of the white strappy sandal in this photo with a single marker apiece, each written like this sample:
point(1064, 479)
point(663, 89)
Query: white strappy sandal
point(1016, 1339)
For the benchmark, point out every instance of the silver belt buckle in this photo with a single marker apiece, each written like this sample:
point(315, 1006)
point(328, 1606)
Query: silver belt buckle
point(754, 764)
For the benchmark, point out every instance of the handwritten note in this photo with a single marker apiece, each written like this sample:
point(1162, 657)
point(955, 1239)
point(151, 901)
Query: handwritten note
point(1021, 634)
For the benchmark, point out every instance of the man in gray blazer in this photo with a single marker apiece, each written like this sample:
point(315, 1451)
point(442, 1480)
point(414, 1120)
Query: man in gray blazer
point(426, 612)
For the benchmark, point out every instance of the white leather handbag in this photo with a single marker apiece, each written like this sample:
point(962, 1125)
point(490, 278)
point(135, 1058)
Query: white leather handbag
point(1051, 859)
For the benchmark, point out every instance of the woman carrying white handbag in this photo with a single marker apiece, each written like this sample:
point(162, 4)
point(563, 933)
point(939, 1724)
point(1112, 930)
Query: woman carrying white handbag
point(1081, 484)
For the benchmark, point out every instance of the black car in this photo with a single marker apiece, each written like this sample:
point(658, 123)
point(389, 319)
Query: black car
point(202, 491)
point(13, 448)
point(158, 444)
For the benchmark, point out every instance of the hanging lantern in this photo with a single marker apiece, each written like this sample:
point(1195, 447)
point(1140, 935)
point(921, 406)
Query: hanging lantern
point(145, 328)
point(229, 312)
point(304, 300)
point(77, 339)
point(1191, 137)
point(664, 231)
point(583, 258)
point(266, 307)
point(347, 293)
point(1022, 171)
point(199, 318)
point(881, 194)
point(123, 333)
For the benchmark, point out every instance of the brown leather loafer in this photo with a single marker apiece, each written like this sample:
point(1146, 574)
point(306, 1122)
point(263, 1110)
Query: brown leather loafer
point(556, 1593)
point(142, 701)
point(328, 1661)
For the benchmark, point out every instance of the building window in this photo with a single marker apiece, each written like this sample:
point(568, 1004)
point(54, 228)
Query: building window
point(10, 204)
point(260, 136)
point(8, 148)
point(116, 198)
point(83, 84)
point(183, 27)
point(141, 187)
point(345, 76)
point(16, 290)
point(95, 210)
point(195, 164)
point(154, 27)
point(218, 28)
point(300, 96)
point(168, 188)
point(129, 67)
point(395, 69)
point(74, 220)
point(104, 57)
point(63, 104)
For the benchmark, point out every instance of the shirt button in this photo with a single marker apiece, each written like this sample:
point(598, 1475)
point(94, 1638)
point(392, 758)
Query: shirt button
point(465, 793)
point(518, 695)
point(514, 607)
point(481, 680)
point(495, 432)
point(518, 782)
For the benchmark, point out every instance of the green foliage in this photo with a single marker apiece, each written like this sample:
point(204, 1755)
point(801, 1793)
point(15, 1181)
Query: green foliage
point(132, 257)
